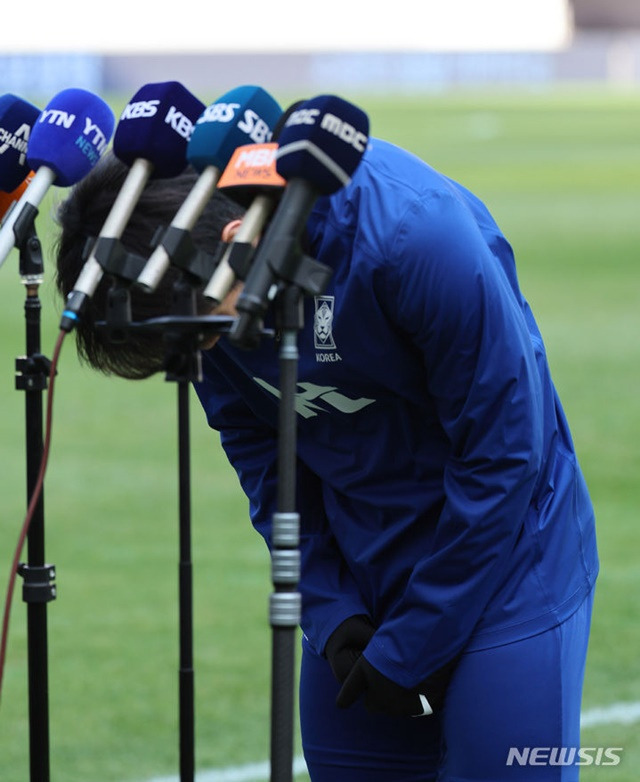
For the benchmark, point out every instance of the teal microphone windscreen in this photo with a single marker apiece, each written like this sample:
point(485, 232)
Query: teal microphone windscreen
point(244, 115)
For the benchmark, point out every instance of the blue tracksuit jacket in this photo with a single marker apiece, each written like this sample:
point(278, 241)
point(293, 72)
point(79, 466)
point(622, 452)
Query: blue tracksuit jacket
point(438, 487)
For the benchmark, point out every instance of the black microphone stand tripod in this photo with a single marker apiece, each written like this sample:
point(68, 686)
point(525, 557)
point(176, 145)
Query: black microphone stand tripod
point(32, 373)
point(183, 365)
point(182, 333)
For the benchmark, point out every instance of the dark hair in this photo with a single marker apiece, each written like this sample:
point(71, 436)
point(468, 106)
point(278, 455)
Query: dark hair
point(81, 217)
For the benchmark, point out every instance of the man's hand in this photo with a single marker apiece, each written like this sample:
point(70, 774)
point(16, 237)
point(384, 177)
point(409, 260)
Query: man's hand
point(346, 643)
point(384, 696)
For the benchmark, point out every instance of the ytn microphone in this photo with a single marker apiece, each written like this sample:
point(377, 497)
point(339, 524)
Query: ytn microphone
point(151, 138)
point(66, 141)
point(17, 117)
point(320, 147)
point(242, 115)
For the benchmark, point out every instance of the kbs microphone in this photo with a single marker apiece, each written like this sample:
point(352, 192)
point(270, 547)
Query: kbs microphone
point(17, 117)
point(65, 143)
point(151, 138)
point(251, 170)
point(320, 147)
point(242, 115)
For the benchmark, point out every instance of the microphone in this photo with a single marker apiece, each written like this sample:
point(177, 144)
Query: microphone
point(244, 114)
point(66, 141)
point(17, 117)
point(246, 172)
point(251, 170)
point(320, 147)
point(151, 138)
point(9, 200)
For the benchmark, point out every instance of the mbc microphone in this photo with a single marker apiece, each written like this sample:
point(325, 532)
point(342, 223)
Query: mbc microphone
point(242, 115)
point(320, 147)
point(151, 138)
point(65, 143)
point(17, 117)
point(250, 172)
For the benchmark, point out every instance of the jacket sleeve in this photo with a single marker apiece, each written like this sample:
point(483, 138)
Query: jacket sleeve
point(329, 594)
point(451, 295)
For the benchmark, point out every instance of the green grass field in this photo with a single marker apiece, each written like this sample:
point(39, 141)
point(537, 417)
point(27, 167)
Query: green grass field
point(561, 173)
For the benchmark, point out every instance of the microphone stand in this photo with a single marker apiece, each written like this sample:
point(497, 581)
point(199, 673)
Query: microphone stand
point(32, 372)
point(182, 334)
point(285, 605)
point(295, 275)
point(183, 366)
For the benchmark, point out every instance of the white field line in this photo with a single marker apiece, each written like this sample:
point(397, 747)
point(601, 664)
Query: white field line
point(623, 713)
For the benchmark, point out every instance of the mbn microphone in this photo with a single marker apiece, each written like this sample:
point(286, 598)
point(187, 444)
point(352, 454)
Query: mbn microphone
point(251, 171)
point(251, 179)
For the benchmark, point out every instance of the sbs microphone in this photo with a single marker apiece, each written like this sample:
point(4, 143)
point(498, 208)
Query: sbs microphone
point(320, 147)
point(17, 117)
point(65, 143)
point(151, 138)
point(242, 115)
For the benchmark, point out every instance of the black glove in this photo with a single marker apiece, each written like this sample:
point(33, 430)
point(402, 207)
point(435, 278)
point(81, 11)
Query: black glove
point(384, 696)
point(346, 643)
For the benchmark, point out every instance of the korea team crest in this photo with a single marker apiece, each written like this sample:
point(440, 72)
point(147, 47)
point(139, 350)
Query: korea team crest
point(323, 340)
point(323, 323)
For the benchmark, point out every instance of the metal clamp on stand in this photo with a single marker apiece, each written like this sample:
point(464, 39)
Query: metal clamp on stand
point(38, 586)
point(32, 372)
point(26, 239)
point(183, 253)
point(124, 268)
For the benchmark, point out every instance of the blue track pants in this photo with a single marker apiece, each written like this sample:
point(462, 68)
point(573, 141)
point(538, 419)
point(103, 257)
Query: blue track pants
point(500, 701)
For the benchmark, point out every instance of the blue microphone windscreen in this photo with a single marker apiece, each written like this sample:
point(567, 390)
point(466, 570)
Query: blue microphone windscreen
point(17, 117)
point(241, 116)
point(323, 142)
point(277, 130)
point(70, 135)
point(156, 125)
